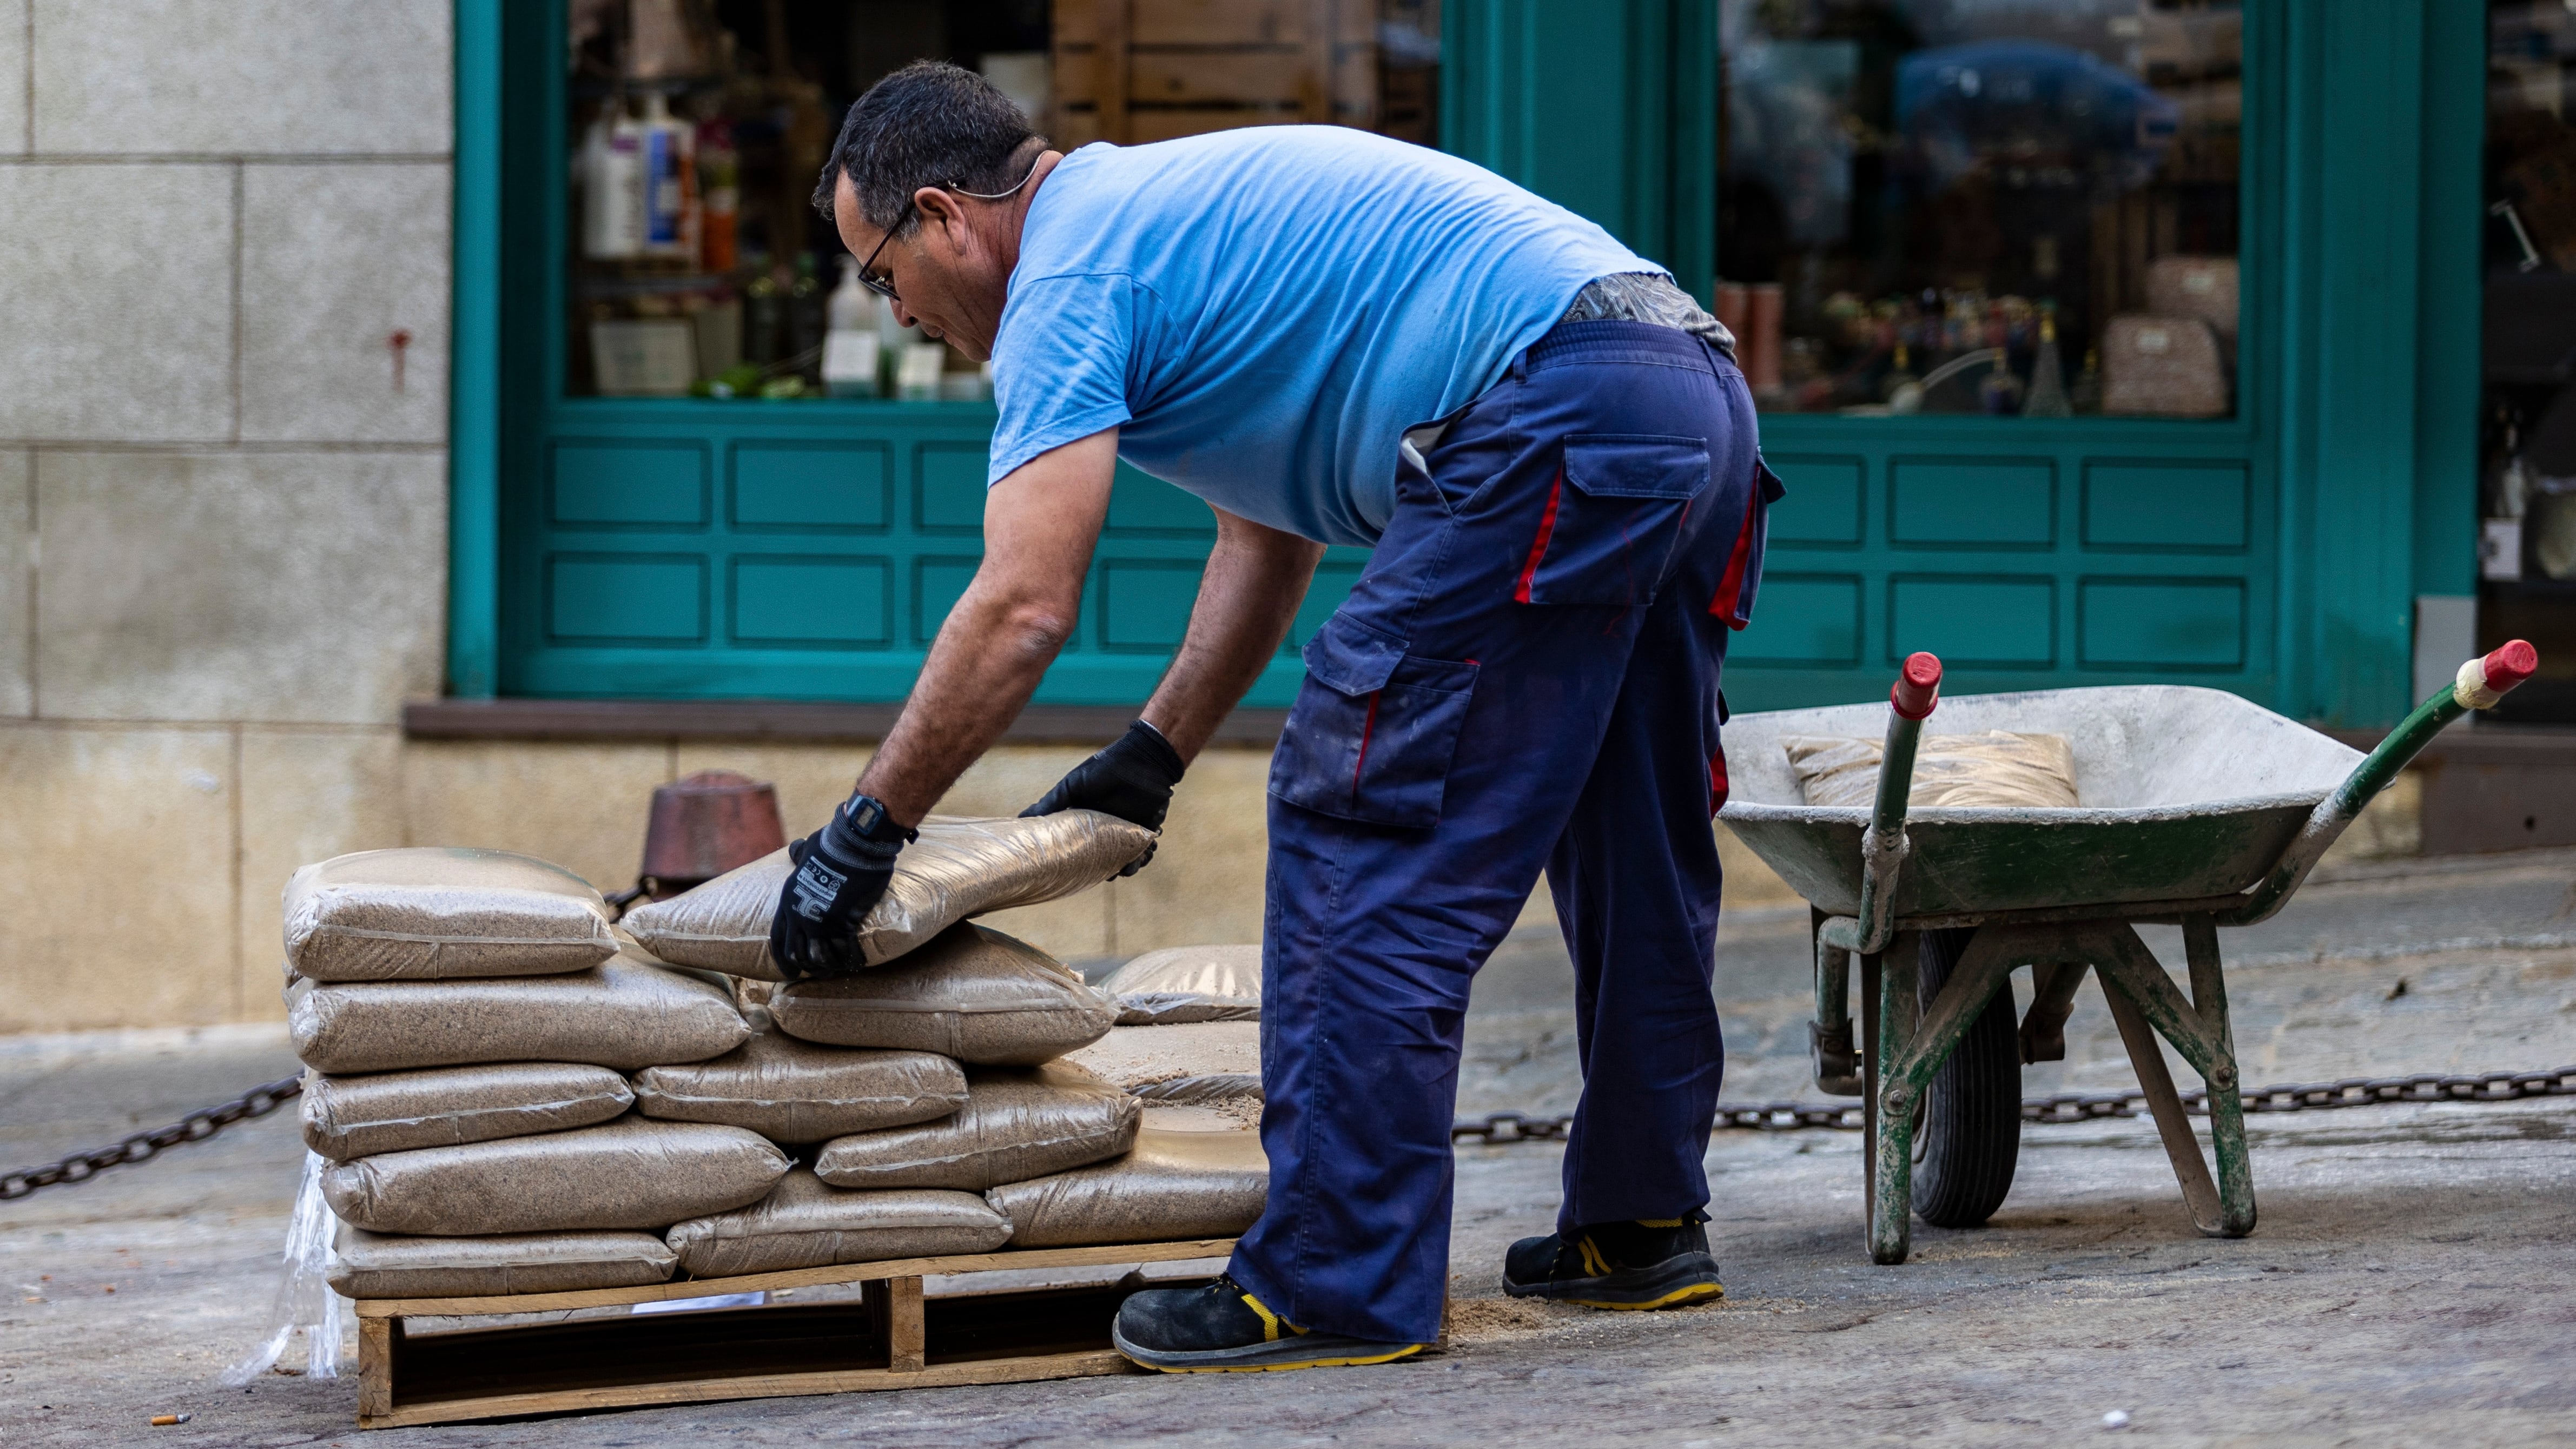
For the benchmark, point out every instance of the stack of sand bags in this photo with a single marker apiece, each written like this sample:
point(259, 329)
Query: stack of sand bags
point(516, 1095)
point(1029, 1147)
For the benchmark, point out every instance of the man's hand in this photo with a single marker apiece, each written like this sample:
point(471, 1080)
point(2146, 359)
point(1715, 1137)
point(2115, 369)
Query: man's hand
point(842, 871)
point(1131, 779)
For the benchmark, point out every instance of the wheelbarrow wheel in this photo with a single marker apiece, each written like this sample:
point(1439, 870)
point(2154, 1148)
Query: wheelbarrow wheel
point(1971, 1131)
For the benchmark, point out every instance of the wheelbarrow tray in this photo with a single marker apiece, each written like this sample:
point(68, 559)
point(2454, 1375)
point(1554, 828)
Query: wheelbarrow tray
point(2186, 792)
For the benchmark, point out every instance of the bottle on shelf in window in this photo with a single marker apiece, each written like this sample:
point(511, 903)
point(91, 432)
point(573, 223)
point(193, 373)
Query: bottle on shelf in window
point(2047, 374)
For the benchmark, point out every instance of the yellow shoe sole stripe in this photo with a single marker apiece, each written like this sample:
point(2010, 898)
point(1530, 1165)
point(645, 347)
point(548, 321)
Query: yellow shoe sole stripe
point(1274, 1368)
point(1679, 1296)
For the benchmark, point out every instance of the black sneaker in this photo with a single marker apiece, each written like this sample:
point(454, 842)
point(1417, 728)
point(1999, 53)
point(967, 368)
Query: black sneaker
point(1221, 1329)
point(1653, 1263)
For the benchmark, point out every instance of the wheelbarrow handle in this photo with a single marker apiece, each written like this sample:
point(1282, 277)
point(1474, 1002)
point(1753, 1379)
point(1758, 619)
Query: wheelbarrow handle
point(1910, 702)
point(2480, 684)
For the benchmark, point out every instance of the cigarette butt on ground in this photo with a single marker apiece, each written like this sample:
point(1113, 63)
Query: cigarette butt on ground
point(164, 1421)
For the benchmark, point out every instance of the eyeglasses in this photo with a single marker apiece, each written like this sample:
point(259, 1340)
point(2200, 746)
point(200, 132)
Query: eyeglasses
point(868, 278)
point(884, 286)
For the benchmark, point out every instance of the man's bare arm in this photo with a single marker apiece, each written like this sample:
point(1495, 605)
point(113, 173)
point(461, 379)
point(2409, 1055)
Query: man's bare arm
point(1256, 577)
point(1041, 523)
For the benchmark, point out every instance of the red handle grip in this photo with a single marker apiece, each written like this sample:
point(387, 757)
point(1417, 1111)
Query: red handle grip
point(1918, 687)
point(2511, 665)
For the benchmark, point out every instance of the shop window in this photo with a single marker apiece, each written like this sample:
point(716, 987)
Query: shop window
point(696, 264)
point(2013, 207)
point(2527, 588)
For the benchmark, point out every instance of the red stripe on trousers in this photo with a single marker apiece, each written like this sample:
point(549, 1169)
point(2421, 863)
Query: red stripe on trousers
point(1730, 589)
point(1546, 527)
point(1368, 727)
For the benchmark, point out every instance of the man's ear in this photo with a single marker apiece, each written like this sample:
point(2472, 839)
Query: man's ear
point(940, 213)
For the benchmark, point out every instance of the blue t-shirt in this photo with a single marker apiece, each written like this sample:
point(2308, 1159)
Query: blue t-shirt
point(1263, 312)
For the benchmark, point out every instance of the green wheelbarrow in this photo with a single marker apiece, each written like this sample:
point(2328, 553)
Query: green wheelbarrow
point(2199, 809)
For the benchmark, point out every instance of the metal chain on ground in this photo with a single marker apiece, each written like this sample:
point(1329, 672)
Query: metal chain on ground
point(1501, 1127)
point(142, 1146)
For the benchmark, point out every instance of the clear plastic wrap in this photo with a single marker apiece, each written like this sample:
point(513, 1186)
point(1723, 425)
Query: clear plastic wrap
point(1988, 768)
point(806, 1223)
point(794, 1091)
point(630, 1173)
point(1175, 1185)
point(428, 913)
point(379, 1265)
point(1181, 984)
point(626, 1014)
point(958, 868)
point(304, 1303)
point(1016, 1124)
point(347, 1117)
point(973, 994)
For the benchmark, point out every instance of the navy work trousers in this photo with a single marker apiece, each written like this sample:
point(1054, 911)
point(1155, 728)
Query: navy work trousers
point(1526, 676)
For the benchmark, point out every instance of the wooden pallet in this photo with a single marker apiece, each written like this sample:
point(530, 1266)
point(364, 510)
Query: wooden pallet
point(891, 1338)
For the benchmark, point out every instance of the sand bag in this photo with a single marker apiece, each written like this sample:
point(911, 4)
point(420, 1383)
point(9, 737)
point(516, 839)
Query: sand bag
point(1989, 768)
point(1196, 1062)
point(973, 994)
point(958, 868)
point(793, 1091)
point(1175, 1185)
point(378, 1265)
point(1016, 1124)
point(347, 1117)
point(438, 914)
point(806, 1223)
point(1188, 983)
point(626, 1014)
point(630, 1173)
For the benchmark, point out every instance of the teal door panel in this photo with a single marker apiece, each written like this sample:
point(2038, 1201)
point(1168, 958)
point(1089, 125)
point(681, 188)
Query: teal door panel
point(2093, 551)
point(1802, 621)
point(626, 599)
point(2150, 505)
point(2005, 623)
point(1824, 504)
point(1144, 506)
point(627, 485)
point(815, 603)
point(2162, 623)
point(1976, 502)
point(936, 585)
point(1144, 604)
point(948, 487)
point(812, 487)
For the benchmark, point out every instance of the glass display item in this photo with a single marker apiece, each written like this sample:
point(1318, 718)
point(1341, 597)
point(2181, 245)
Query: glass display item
point(702, 124)
point(1952, 179)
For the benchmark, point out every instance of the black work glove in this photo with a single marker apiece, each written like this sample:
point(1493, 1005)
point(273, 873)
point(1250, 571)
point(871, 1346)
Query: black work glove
point(841, 873)
point(1131, 779)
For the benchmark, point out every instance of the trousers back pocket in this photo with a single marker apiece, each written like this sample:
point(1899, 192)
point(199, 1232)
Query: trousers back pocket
point(1373, 730)
point(1612, 517)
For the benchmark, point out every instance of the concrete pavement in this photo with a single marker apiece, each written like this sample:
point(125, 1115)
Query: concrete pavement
point(2409, 1281)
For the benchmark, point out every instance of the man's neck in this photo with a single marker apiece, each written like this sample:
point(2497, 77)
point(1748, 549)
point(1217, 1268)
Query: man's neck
point(1018, 215)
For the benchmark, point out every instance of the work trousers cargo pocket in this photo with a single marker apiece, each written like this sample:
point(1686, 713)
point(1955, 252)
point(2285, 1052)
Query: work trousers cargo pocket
point(1373, 730)
point(1613, 514)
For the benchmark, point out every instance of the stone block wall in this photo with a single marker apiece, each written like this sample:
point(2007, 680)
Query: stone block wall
point(223, 488)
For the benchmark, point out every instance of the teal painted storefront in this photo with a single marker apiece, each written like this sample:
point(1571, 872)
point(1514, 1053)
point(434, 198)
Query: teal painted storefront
point(642, 549)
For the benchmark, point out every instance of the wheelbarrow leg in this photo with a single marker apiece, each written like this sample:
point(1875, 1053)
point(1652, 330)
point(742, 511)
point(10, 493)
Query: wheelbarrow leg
point(2144, 1002)
point(1891, 1126)
point(2227, 1106)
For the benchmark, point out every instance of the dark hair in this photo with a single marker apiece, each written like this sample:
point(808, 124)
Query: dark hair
point(928, 124)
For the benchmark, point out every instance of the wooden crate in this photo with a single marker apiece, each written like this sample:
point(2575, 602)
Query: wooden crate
point(891, 1338)
point(1132, 71)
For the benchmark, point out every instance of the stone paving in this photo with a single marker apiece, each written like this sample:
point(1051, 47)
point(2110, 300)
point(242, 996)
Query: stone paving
point(2409, 1281)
